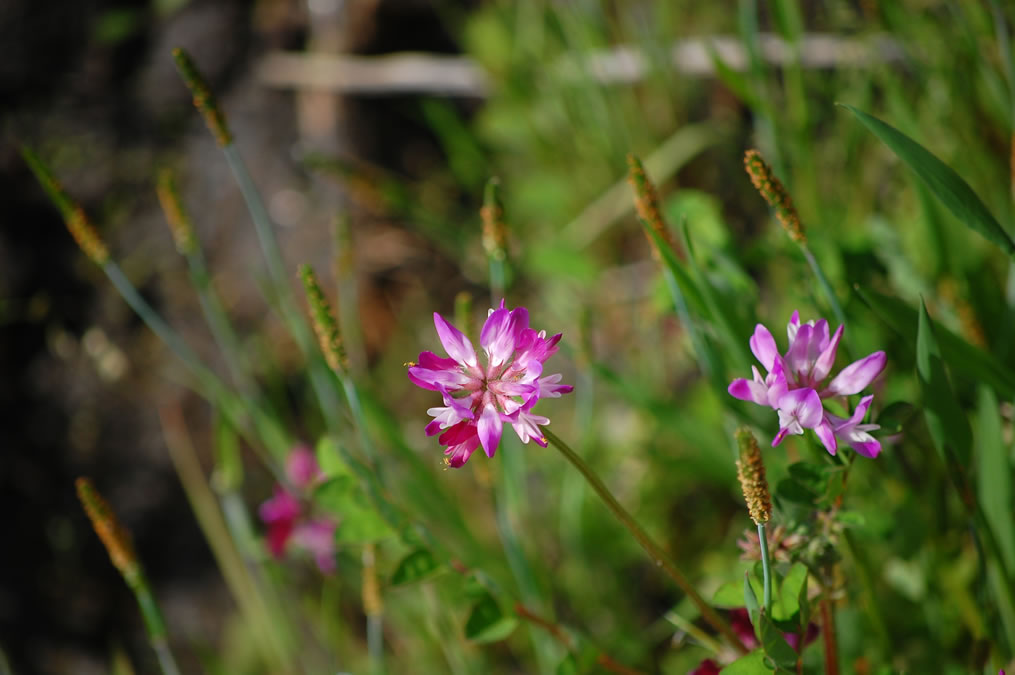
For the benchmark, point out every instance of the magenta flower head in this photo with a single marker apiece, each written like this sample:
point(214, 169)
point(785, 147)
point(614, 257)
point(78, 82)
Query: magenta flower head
point(794, 385)
point(287, 515)
point(479, 399)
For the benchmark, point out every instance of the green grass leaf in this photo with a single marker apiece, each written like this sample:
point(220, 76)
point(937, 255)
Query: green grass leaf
point(948, 186)
point(752, 664)
point(947, 423)
point(994, 474)
point(976, 363)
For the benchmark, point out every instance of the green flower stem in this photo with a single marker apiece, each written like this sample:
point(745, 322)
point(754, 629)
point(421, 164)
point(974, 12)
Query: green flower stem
point(265, 621)
point(262, 221)
point(496, 281)
point(238, 411)
point(766, 568)
point(826, 288)
point(154, 623)
point(218, 321)
point(655, 552)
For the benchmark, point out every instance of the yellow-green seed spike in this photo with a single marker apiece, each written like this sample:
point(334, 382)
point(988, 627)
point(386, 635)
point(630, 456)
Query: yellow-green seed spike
point(74, 216)
point(328, 335)
point(751, 473)
point(113, 534)
point(492, 215)
point(204, 99)
point(774, 192)
point(172, 206)
point(646, 201)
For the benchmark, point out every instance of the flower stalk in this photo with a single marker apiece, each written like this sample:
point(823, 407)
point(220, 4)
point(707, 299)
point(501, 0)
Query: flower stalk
point(116, 538)
point(751, 473)
point(654, 550)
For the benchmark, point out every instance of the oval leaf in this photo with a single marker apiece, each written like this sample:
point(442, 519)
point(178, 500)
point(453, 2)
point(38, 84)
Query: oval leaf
point(487, 623)
point(416, 566)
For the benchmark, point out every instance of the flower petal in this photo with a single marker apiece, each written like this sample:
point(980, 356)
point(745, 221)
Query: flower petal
point(526, 425)
point(763, 346)
point(798, 360)
point(489, 428)
point(803, 405)
point(793, 326)
point(434, 372)
point(301, 467)
point(826, 359)
point(827, 436)
point(456, 344)
point(749, 390)
point(856, 376)
point(501, 333)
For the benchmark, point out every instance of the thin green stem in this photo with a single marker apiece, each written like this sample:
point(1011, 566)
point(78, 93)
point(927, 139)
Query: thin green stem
point(826, 287)
point(262, 221)
point(655, 552)
point(154, 623)
point(766, 568)
point(496, 281)
point(218, 321)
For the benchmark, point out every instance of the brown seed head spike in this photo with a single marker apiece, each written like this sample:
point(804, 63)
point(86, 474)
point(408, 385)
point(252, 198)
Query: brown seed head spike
point(204, 99)
point(751, 473)
point(646, 202)
point(113, 534)
point(74, 216)
point(328, 334)
point(179, 222)
point(773, 191)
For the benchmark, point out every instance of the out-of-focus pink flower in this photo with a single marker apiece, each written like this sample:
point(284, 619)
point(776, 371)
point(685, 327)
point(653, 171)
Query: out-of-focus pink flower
point(287, 516)
point(795, 386)
point(479, 399)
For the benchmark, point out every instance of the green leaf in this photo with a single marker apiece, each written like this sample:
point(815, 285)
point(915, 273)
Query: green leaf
point(948, 186)
point(487, 623)
point(358, 522)
point(896, 416)
point(994, 474)
point(568, 666)
point(751, 664)
point(730, 595)
point(787, 601)
point(751, 602)
point(330, 459)
point(416, 566)
point(687, 286)
point(976, 363)
point(775, 644)
point(946, 422)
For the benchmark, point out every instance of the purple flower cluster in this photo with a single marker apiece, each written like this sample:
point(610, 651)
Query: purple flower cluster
point(287, 516)
point(480, 399)
point(793, 385)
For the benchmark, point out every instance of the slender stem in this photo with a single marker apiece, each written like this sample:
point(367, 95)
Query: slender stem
point(826, 287)
point(766, 568)
point(655, 552)
point(218, 321)
point(154, 622)
point(828, 635)
point(564, 639)
point(496, 281)
point(259, 214)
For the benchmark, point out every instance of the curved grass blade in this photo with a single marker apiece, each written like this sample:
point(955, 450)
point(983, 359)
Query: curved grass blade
point(953, 191)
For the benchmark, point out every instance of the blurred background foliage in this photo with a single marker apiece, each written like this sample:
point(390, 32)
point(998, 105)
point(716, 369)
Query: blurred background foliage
point(405, 171)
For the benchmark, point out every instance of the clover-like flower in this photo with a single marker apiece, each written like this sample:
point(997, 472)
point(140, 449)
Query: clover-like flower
point(287, 516)
point(479, 399)
point(794, 385)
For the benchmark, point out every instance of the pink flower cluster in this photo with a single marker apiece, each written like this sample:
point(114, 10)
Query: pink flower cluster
point(287, 516)
point(793, 385)
point(479, 399)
